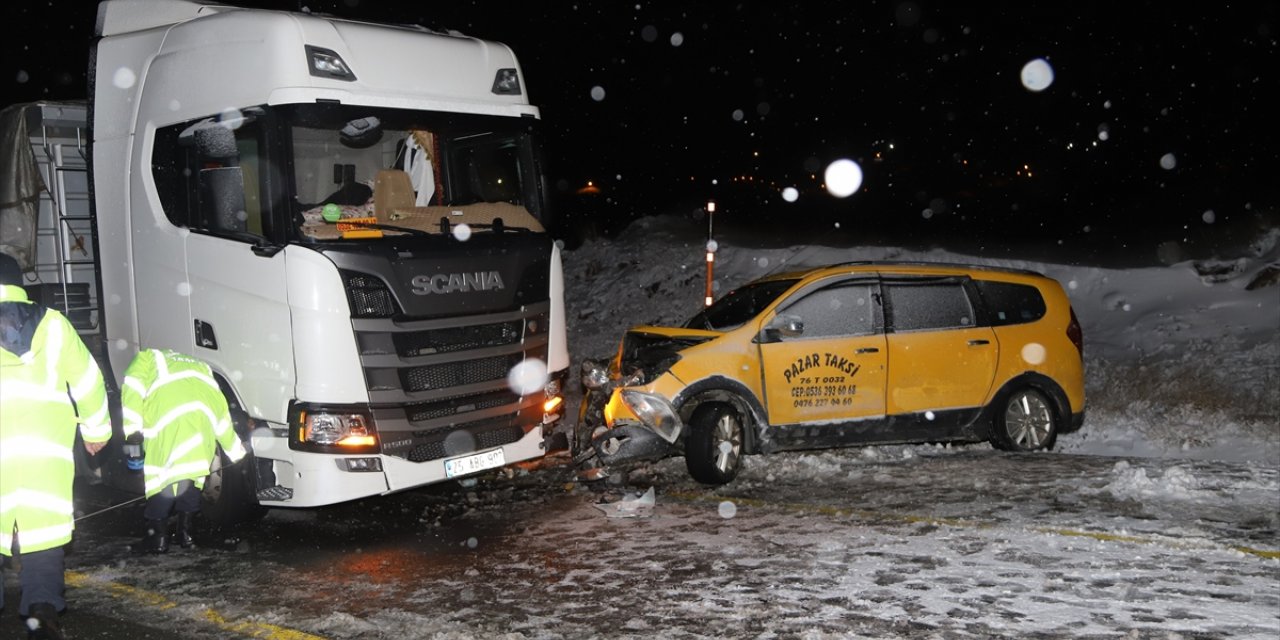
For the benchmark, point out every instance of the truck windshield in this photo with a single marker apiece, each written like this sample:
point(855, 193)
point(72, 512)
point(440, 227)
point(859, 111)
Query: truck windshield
point(361, 173)
point(740, 305)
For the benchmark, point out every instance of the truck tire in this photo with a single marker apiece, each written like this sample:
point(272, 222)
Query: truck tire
point(230, 492)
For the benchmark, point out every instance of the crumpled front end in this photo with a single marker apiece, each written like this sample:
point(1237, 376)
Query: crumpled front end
point(627, 414)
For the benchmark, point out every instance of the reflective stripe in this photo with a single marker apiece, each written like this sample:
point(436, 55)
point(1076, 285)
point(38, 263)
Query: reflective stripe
point(37, 501)
point(36, 538)
point(29, 446)
point(177, 413)
point(33, 391)
point(88, 381)
point(164, 476)
point(180, 451)
point(136, 385)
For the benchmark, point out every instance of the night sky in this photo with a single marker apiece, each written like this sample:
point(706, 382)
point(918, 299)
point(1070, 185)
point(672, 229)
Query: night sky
point(1159, 119)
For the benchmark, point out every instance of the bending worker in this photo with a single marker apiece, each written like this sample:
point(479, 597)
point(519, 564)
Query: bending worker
point(175, 404)
point(49, 383)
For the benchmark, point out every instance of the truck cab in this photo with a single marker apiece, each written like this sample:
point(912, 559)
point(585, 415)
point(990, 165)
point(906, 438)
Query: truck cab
point(347, 221)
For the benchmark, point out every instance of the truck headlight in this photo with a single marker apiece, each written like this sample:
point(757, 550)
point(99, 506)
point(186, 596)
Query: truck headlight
point(655, 412)
point(329, 431)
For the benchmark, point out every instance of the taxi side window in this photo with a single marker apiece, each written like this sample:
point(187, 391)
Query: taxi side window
point(928, 305)
point(840, 310)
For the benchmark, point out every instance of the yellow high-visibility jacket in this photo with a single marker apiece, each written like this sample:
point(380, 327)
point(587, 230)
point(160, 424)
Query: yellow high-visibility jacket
point(175, 402)
point(49, 384)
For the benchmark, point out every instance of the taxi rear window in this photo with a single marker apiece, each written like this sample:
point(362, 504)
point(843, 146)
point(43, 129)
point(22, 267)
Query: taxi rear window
point(1008, 303)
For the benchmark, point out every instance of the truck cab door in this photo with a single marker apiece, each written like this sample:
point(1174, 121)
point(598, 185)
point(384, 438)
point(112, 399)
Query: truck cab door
point(239, 298)
point(234, 311)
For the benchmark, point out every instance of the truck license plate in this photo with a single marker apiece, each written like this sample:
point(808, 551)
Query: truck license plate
point(473, 463)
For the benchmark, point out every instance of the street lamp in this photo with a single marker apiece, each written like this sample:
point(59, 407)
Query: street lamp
point(711, 251)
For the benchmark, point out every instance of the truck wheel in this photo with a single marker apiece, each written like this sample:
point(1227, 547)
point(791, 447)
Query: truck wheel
point(1024, 421)
point(230, 492)
point(713, 449)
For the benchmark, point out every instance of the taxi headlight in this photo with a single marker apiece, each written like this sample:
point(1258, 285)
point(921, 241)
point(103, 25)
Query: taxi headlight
point(655, 412)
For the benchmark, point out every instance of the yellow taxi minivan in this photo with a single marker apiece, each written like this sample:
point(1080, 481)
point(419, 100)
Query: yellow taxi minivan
point(843, 355)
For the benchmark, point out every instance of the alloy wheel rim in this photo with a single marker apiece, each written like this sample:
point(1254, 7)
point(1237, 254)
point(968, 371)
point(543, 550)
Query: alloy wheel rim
point(728, 442)
point(1028, 420)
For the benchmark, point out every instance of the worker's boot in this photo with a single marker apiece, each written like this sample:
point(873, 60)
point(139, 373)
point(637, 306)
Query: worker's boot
point(156, 539)
point(42, 623)
point(183, 534)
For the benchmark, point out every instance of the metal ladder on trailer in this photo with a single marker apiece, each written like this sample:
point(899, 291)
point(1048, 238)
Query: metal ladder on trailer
point(69, 282)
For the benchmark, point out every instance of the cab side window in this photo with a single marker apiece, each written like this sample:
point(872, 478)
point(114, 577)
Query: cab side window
point(927, 305)
point(840, 310)
point(1008, 303)
point(207, 176)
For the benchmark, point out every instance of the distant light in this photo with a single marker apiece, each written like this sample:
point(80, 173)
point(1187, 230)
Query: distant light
point(1037, 75)
point(711, 206)
point(843, 178)
point(790, 194)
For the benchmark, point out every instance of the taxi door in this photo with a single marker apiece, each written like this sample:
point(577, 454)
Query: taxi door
point(939, 359)
point(823, 355)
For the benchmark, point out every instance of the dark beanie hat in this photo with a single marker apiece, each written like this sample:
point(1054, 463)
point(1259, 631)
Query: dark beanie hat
point(10, 270)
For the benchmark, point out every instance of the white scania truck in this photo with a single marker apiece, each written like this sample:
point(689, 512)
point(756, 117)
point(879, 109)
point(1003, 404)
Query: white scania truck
point(346, 220)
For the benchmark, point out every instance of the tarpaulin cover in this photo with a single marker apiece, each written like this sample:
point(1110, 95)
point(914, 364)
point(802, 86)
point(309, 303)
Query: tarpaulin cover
point(20, 187)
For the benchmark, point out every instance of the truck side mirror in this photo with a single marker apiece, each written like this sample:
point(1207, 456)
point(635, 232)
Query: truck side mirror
point(216, 141)
point(222, 206)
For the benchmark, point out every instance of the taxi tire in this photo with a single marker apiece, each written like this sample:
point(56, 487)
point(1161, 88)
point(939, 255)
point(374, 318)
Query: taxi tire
point(1025, 420)
point(713, 425)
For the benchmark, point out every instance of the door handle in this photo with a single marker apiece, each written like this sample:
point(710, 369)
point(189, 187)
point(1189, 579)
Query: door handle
point(868, 350)
point(978, 342)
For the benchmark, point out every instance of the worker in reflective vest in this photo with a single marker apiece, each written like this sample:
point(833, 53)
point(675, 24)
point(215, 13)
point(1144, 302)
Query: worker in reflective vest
point(174, 403)
point(49, 384)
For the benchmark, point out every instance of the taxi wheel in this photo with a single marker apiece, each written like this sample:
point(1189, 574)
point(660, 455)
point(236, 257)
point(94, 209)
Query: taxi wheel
point(713, 448)
point(1025, 421)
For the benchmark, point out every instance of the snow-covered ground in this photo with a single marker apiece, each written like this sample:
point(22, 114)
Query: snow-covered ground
point(1159, 519)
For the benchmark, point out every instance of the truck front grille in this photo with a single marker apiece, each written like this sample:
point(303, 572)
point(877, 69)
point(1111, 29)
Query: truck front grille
point(457, 374)
point(449, 340)
point(438, 387)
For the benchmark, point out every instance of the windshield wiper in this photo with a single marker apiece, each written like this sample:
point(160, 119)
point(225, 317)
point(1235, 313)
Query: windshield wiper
point(497, 226)
point(388, 227)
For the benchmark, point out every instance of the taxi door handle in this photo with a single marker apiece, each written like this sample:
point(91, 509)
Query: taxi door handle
point(978, 343)
point(868, 350)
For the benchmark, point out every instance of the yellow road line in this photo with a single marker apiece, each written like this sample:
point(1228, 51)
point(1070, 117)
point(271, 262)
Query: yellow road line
point(243, 628)
point(866, 514)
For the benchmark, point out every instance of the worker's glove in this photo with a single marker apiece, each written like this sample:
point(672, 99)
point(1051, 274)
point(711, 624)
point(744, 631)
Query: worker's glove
point(133, 451)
